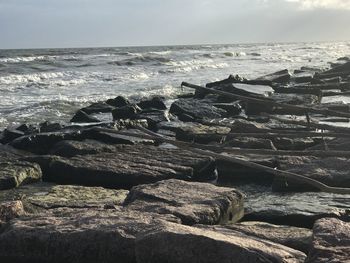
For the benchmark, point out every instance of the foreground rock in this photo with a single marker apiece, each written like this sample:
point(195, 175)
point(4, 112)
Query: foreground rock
point(193, 203)
point(10, 210)
point(128, 166)
point(294, 209)
point(331, 242)
point(294, 237)
point(14, 173)
point(176, 243)
point(76, 235)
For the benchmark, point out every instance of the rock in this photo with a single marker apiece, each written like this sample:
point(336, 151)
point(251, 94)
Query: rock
point(15, 173)
point(232, 109)
point(50, 126)
point(251, 143)
point(98, 107)
point(129, 166)
point(8, 135)
point(243, 126)
point(193, 203)
point(196, 108)
point(294, 209)
point(303, 76)
point(341, 144)
point(41, 143)
point(281, 77)
point(293, 144)
point(331, 241)
point(118, 102)
point(153, 117)
point(294, 237)
point(81, 116)
point(10, 210)
point(177, 243)
point(126, 112)
point(343, 68)
point(331, 171)
point(76, 235)
point(293, 99)
point(154, 103)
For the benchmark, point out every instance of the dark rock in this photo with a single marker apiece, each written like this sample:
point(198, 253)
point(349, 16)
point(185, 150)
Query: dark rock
point(186, 118)
point(10, 210)
point(126, 112)
point(282, 77)
point(177, 243)
point(294, 237)
point(41, 143)
point(331, 242)
point(232, 109)
point(331, 171)
point(302, 77)
point(294, 209)
point(251, 143)
point(293, 144)
point(15, 173)
point(81, 116)
point(154, 103)
point(8, 135)
point(76, 235)
point(294, 99)
point(153, 117)
point(98, 107)
point(196, 108)
point(118, 102)
point(243, 126)
point(50, 126)
point(129, 166)
point(193, 203)
point(343, 68)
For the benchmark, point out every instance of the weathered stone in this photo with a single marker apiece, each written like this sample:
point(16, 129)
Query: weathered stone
point(294, 209)
point(153, 117)
point(282, 76)
point(303, 76)
point(154, 103)
point(196, 108)
point(97, 108)
point(293, 144)
point(193, 203)
point(177, 243)
point(294, 237)
point(126, 112)
point(331, 242)
point(8, 135)
point(15, 173)
point(79, 236)
point(331, 171)
point(232, 109)
point(118, 102)
point(129, 166)
point(251, 143)
point(81, 116)
point(50, 126)
point(10, 210)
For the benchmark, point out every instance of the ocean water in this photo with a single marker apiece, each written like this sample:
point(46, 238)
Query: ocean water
point(51, 84)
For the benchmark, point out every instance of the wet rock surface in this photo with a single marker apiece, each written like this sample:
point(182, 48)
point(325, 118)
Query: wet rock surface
point(193, 203)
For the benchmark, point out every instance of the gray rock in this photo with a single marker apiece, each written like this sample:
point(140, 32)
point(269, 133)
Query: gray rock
point(83, 117)
point(76, 235)
point(294, 209)
point(10, 210)
point(294, 237)
point(98, 107)
point(15, 173)
point(331, 242)
point(126, 112)
point(118, 102)
point(281, 77)
point(251, 143)
point(176, 243)
point(193, 203)
point(198, 109)
point(129, 166)
point(153, 103)
point(332, 171)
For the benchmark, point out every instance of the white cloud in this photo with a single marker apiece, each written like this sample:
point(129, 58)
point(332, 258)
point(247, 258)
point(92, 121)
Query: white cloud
point(325, 4)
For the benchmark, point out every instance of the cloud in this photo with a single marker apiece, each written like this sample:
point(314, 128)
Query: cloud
point(324, 4)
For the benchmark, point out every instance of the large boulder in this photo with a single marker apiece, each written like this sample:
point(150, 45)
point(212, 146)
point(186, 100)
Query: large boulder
point(331, 241)
point(294, 237)
point(332, 171)
point(177, 243)
point(128, 166)
point(193, 203)
point(15, 173)
point(76, 235)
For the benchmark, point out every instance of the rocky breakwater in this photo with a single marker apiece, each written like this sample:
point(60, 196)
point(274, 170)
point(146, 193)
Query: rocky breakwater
point(237, 171)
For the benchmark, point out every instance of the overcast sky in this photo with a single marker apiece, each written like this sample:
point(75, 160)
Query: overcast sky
point(82, 23)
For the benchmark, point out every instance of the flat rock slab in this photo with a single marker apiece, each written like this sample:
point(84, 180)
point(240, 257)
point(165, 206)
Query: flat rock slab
point(129, 166)
point(193, 203)
point(15, 173)
point(39, 196)
point(294, 237)
point(332, 171)
point(75, 235)
point(294, 209)
point(177, 243)
point(331, 242)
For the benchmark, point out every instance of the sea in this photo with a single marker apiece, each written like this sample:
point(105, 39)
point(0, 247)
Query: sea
point(51, 84)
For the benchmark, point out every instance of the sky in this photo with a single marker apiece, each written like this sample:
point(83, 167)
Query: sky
point(92, 23)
